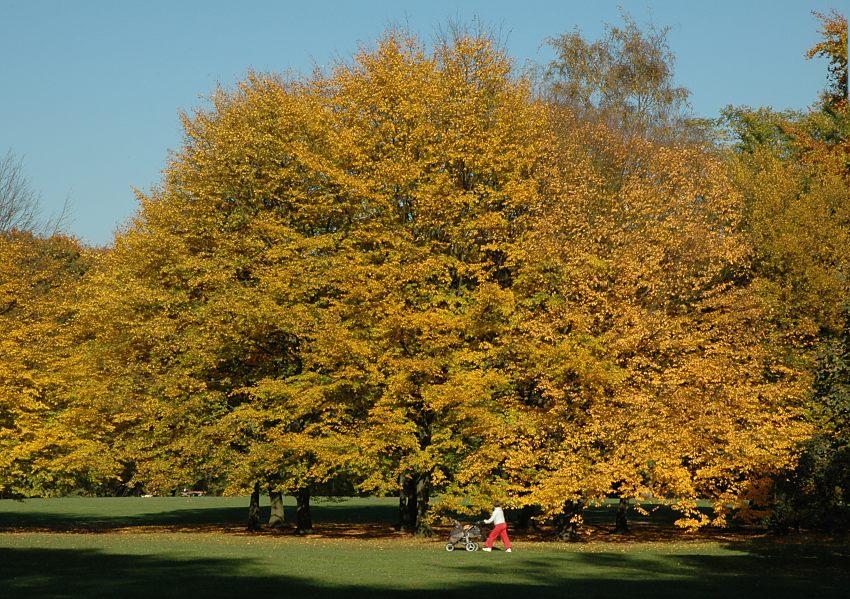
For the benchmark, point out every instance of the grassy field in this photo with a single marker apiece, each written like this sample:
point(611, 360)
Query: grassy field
point(71, 513)
point(74, 513)
point(175, 547)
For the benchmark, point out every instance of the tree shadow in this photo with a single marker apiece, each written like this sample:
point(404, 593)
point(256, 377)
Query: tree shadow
point(660, 514)
point(752, 570)
point(333, 513)
point(758, 568)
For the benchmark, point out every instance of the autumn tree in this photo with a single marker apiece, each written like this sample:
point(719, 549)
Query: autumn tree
point(448, 143)
point(833, 47)
point(793, 169)
point(215, 295)
point(624, 80)
point(49, 442)
point(318, 286)
point(635, 376)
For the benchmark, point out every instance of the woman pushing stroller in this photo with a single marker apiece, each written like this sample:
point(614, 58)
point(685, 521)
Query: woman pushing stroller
point(500, 529)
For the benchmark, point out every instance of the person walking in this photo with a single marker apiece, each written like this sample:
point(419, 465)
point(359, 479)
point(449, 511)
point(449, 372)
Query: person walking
point(500, 529)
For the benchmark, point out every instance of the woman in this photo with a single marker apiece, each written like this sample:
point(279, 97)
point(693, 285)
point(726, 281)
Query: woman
point(500, 529)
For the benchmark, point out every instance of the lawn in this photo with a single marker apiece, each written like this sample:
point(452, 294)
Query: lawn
point(174, 547)
point(96, 513)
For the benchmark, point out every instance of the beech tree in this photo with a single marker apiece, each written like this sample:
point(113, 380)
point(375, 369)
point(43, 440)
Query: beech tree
point(316, 295)
point(449, 143)
point(637, 301)
point(50, 443)
point(210, 344)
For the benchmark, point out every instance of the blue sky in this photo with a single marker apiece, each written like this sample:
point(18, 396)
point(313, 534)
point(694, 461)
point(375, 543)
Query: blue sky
point(91, 89)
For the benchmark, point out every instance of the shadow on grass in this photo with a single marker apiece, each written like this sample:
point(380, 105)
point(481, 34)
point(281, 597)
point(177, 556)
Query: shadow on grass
point(380, 515)
point(759, 570)
point(328, 514)
point(656, 513)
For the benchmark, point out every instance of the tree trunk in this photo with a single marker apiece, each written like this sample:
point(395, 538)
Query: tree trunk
point(276, 518)
point(303, 519)
point(423, 493)
point(411, 503)
point(422, 480)
point(254, 509)
point(406, 504)
point(526, 514)
point(622, 523)
point(567, 523)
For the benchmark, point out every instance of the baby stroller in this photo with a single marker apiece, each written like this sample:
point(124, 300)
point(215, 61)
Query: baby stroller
point(465, 536)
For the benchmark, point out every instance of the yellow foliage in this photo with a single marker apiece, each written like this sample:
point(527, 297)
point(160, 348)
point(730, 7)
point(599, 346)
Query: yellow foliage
point(50, 443)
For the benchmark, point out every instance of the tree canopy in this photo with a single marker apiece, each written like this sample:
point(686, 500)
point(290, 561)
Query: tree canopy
point(414, 274)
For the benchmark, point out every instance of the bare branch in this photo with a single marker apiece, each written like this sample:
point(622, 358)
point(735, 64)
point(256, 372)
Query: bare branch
point(20, 204)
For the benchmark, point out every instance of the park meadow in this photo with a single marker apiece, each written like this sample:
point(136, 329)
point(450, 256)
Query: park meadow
point(365, 306)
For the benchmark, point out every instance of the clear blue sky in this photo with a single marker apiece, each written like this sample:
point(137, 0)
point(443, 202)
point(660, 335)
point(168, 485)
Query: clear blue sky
point(90, 90)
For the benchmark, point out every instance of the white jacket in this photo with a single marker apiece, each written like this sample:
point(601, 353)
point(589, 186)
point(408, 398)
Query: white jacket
point(497, 518)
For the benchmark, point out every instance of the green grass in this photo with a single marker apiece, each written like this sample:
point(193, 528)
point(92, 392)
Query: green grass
point(116, 561)
point(117, 512)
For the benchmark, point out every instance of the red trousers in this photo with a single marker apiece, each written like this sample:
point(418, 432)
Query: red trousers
point(500, 530)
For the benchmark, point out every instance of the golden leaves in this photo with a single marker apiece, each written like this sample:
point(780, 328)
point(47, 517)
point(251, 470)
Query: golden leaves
point(410, 265)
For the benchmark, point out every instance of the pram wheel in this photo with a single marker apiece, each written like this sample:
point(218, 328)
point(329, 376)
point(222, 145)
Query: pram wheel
point(471, 546)
point(450, 546)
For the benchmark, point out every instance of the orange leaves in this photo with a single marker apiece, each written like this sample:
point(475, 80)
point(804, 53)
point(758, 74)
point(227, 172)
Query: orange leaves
point(409, 267)
point(644, 354)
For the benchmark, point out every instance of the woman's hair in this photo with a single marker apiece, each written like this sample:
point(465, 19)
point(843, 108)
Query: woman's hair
point(497, 504)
